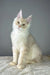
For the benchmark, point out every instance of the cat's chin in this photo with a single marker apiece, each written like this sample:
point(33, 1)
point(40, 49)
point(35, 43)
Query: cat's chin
point(16, 28)
point(20, 29)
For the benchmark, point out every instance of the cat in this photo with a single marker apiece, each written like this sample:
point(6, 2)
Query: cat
point(24, 47)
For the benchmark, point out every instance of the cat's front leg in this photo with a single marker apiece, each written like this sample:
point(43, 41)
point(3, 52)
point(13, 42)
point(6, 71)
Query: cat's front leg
point(15, 56)
point(22, 59)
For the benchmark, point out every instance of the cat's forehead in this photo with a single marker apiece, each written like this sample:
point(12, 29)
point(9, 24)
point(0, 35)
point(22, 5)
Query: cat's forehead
point(22, 20)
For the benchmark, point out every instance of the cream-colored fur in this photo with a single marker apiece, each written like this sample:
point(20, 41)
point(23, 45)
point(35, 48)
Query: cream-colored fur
point(25, 50)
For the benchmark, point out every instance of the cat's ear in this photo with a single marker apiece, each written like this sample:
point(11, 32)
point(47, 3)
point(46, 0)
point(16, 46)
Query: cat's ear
point(29, 19)
point(19, 14)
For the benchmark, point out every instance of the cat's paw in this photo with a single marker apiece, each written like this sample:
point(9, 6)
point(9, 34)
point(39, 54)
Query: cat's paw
point(12, 63)
point(20, 66)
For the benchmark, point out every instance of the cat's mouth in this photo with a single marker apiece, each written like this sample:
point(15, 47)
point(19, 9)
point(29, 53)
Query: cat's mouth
point(19, 27)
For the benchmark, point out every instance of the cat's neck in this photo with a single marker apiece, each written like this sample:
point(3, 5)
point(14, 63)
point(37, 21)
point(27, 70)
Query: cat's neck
point(21, 32)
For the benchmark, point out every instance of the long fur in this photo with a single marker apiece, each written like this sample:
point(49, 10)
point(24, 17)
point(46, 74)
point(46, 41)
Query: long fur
point(25, 49)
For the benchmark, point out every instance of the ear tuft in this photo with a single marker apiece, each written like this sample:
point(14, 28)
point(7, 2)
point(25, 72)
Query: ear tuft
point(19, 14)
point(29, 19)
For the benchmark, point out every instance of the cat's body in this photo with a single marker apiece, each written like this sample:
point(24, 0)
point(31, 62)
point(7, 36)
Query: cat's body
point(25, 49)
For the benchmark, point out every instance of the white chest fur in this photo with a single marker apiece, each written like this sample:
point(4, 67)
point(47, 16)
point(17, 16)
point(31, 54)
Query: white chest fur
point(19, 37)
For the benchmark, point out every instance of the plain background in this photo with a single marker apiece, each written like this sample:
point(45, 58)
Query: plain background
point(40, 26)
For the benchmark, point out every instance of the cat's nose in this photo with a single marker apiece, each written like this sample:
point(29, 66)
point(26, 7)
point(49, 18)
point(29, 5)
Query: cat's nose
point(19, 26)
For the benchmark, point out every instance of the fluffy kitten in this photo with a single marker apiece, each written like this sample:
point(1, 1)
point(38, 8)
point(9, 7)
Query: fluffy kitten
point(25, 50)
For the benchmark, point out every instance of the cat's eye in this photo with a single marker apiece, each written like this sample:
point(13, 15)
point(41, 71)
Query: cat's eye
point(18, 22)
point(23, 24)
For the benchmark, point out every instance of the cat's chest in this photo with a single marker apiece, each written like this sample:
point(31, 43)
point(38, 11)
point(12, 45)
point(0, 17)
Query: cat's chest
point(18, 37)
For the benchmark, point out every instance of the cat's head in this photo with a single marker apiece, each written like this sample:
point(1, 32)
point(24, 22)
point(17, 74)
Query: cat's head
point(20, 23)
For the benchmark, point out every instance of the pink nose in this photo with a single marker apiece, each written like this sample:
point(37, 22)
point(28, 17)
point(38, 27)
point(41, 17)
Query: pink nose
point(19, 26)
